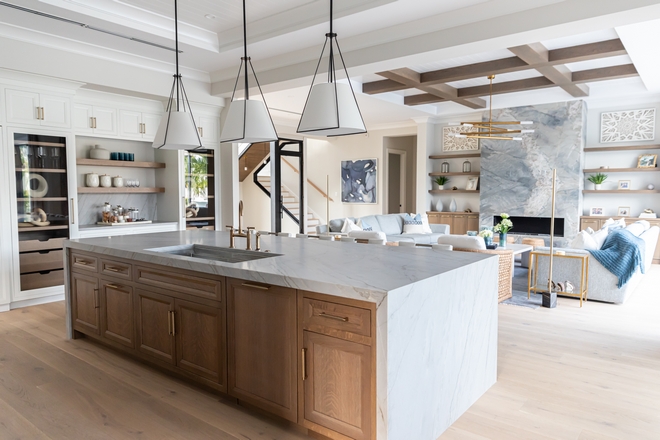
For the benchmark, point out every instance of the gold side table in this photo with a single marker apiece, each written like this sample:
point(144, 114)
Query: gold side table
point(582, 290)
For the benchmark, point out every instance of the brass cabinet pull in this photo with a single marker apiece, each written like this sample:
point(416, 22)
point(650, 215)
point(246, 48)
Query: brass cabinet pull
point(172, 317)
point(113, 286)
point(202, 129)
point(83, 262)
point(96, 299)
point(169, 322)
point(112, 269)
point(94, 121)
point(256, 286)
point(43, 114)
point(304, 363)
point(338, 318)
point(91, 122)
point(73, 212)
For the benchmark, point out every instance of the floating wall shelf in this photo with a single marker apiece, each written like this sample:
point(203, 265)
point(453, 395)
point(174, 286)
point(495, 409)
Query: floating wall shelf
point(454, 191)
point(122, 190)
point(621, 170)
point(625, 148)
point(119, 163)
point(454, 156)
point(476, 173)
point(621, 191)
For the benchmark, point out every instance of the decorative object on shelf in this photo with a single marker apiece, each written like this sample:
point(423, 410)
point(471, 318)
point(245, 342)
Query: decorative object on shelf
point(177, 130)
point(248, 120)
point(453, 143)
point(624, 211)
point(359, 180)
point(595, 211)
point(624, 184)
point(440, 181)
point(92, 180)
point(439, 206)
point(192, 210)
point(444, 168)
point(42, 186)
point(597, 179)
point(650, 186)
point(472, 183)
point(105, 181)
point(467, 166)
point(331, 108)
point(118, 182)
point(468, 210)
point(647, 161)
point(503, 227)
point(454, 188)
point(96, 152)
point(106, 212)
point(627, 126)
point(648, 213)
point(606, 167)
point(487, 235)
point(491, 129)
point(452, 205)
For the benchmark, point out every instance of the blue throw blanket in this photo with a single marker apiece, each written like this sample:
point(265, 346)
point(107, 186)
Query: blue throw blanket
point(621, 254)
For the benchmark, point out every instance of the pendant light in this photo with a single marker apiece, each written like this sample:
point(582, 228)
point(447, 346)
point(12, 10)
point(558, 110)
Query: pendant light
point(490, 129)
point(248, 120)
point(177, 130)
point(331, 108)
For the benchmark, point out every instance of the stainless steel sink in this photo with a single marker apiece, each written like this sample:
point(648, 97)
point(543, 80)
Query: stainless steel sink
point(203, 252)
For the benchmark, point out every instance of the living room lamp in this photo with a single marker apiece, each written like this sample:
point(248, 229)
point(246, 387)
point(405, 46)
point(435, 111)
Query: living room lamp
point(331, 108)
point(177, 130)
point(248, 120)
point(491, 129)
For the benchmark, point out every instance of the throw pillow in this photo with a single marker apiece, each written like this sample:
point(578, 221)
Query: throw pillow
point(600, 236)
point(584, 241)
point(425, 223)
point(365, 226)
point(413, 225)
point(638, 228)
point(589, 231)
point(349, 226)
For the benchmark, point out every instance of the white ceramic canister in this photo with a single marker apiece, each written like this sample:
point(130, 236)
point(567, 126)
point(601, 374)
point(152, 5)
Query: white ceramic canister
point(92, 180)
point(106, 181)
point(96, 152)
point(118, 181)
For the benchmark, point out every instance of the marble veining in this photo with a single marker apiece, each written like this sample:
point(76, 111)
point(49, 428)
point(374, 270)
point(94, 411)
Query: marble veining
point(89, 205)
point(516, 177)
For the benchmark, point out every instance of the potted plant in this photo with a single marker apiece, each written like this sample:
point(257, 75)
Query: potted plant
point(441, 180)
point(503, 227)
point(487, 235)
point(597, 179)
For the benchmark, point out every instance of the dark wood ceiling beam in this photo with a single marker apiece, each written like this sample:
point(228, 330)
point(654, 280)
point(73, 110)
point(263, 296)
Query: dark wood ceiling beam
point(423, 98)
point(412, 79)
point(383, 86)
point(605, 73)
point(538, 55)
point(503, 65)
point(538, 82)
point(585, 52)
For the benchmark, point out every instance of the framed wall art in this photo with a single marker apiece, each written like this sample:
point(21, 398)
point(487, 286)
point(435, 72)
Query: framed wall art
point(359, 181)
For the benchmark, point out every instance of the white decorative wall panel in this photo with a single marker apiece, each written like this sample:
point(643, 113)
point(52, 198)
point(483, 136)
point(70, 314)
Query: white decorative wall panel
point(452, 143)
point(627, 126)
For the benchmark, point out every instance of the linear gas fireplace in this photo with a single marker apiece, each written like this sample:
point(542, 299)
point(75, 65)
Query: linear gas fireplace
point(533, 225)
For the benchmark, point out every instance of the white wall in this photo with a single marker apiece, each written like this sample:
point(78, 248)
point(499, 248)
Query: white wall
point(626, 159)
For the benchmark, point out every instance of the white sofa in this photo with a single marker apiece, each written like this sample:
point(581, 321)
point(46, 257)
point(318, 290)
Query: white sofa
point(602, 284)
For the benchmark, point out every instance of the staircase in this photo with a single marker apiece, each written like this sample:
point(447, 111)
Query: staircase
point(291, 202)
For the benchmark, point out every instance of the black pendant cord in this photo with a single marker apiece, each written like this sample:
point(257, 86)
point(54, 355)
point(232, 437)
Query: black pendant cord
point(176, 42)
point(245, 52)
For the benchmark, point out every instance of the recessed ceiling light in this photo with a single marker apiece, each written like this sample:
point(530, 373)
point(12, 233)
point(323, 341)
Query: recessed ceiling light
point(210, 16)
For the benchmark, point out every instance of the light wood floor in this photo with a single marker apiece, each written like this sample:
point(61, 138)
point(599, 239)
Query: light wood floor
point(565, 373)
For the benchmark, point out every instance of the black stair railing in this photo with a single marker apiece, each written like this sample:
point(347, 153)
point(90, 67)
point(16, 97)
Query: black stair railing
point(283, 209)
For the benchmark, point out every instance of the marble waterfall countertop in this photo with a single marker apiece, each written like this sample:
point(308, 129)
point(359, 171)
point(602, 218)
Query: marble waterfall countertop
point(350, 270)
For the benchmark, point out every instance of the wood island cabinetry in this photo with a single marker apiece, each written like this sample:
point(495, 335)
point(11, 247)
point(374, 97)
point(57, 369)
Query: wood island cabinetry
point(302, 356)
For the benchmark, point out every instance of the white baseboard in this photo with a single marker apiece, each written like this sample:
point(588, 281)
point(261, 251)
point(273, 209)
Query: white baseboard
point(33, 302)
point(4, 308)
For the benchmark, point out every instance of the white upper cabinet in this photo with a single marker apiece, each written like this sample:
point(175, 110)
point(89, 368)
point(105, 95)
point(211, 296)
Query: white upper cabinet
point(93, 119)
point(32, 108)
point(138, 125)
point(208, 127)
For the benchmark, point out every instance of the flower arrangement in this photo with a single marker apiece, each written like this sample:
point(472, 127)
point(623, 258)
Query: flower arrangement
point(486, 233)
point(505, 225)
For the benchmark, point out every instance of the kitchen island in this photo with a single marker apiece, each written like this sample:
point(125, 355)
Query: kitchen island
point(351, 341)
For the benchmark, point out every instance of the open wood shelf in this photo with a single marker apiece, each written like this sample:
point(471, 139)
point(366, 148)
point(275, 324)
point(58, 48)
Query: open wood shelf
point(621, 170)
point(41, 170)
point(41, 199)
point(624, 148)
point(122, 190)
point(39, 144)
point(192, 219)
point(476, 173)
point(454, 156)
point(119, 163)
point(621, 191)
point(41, 228)
point(198, 174)
point(455, 191)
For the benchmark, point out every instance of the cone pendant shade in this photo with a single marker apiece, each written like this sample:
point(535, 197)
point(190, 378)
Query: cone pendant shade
point(331, 110)
point(177, 131)
point(248, 124)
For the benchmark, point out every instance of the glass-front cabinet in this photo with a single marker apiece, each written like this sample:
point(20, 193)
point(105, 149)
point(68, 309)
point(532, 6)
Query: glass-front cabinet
point(199, 187)
point(42, 208)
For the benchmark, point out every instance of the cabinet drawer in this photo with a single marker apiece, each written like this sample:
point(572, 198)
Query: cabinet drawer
point(179, 282)
point(115, 269)
point(84, 263)
point(39, 280)
point(326, 317)
point(38, 245)
point(40, 261)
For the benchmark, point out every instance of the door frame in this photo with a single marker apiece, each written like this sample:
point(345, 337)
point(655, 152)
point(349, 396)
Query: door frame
point(403, 157)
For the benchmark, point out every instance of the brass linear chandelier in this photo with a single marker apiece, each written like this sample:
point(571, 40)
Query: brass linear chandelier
point(491, 129)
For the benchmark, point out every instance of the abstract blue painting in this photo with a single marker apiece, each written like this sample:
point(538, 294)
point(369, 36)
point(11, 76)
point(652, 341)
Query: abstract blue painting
point(359, 180)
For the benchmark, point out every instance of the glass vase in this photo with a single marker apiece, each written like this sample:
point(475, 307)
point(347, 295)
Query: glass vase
point(502, 239)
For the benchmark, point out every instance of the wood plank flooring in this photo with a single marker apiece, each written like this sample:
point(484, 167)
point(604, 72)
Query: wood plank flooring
point(565, 373)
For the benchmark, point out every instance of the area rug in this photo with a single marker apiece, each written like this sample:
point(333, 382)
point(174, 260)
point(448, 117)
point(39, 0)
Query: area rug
point(519, 297)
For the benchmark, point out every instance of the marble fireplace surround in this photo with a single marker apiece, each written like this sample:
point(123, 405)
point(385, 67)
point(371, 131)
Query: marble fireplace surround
point(516, 177)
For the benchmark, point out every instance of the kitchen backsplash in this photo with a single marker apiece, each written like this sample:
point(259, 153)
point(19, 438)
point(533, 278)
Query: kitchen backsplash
point(90, 205)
